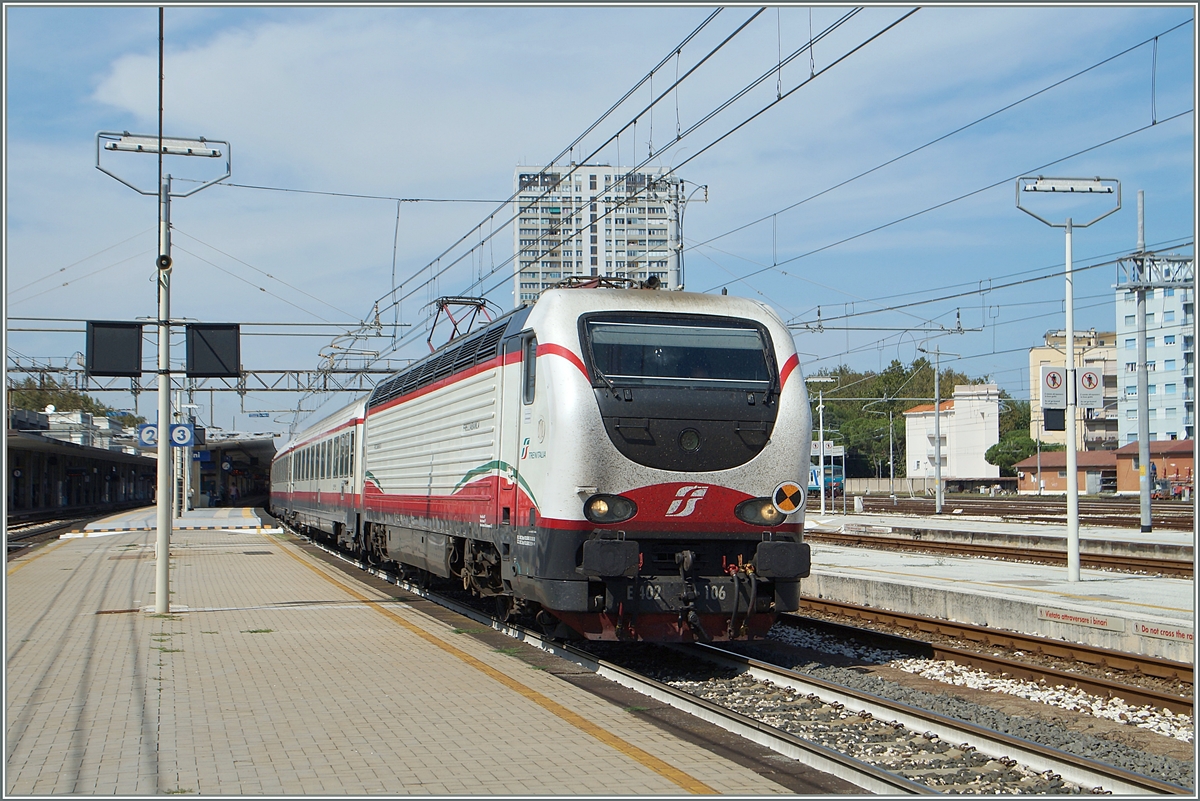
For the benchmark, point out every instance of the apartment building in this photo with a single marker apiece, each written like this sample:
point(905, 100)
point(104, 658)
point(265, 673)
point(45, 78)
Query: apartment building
point(593, 220)
point(1170, 363)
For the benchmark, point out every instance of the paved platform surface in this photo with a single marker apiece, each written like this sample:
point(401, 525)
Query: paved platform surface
point(279, 674)
point(1134, 613)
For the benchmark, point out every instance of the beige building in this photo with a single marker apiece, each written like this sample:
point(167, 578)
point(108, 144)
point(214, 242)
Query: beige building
point(1096, 429)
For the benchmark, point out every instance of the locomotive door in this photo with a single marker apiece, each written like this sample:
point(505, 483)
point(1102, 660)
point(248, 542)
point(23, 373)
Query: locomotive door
point(517, 395)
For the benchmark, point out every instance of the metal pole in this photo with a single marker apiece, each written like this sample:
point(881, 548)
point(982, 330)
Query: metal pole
point(1072, 454)
point(162, 590)
point(821, 447)
point(937, 429)
point(1143, 378)
point(674, 274)
point(175, 465)
point(891, 460)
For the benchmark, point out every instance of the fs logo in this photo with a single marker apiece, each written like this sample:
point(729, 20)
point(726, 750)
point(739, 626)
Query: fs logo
point(525, 448)
point(685, 501)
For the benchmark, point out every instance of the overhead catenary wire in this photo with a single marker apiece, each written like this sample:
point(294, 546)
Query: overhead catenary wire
point(1007, 180)
point(945, 136)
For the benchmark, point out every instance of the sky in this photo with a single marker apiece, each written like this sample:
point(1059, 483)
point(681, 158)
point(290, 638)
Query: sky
point(373, 146)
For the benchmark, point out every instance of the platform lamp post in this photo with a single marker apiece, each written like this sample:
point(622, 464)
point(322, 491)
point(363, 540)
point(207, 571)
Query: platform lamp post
point(1077, 186)
point(821, 379)
point(938, 494)
point(159, 145)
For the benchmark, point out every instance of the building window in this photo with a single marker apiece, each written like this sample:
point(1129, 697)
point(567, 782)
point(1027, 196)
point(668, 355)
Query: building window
point(1131, 414)
point(1131, 438)
point(1131, 343)
point(1168, 389)
point(1170, 293)
point(1168, 317)
point(1168, 364)
point(1169, 339)
point(1152, 389)
point(1131, 391)
point(1130, 320)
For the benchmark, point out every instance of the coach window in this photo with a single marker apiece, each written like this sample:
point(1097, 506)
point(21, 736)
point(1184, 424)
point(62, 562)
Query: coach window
point(529, 366)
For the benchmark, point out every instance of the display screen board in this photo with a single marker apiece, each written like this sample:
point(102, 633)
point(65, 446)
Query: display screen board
point(113, 349)
point(213, 350)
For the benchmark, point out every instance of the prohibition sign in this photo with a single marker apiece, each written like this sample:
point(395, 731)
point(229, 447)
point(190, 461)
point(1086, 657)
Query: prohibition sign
point(788, 497)
point(1053, 380)
point(1089, 380)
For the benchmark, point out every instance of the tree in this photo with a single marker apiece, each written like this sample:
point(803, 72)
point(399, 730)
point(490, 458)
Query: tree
point(1014, 447)
point(1014, 415)
point(34, 397)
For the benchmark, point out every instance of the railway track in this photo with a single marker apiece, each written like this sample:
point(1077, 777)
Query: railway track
point(19, 536)
point(1131, 665)
point(1052, 554)
point(904, 750)
point(1116, 512)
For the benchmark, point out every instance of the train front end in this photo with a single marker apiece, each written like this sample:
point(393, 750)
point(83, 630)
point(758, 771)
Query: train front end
point(672, 508)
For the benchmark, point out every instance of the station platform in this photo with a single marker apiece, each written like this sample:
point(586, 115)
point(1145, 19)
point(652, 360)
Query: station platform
point(1140, 614)
point(950, 527)
point(277, 672)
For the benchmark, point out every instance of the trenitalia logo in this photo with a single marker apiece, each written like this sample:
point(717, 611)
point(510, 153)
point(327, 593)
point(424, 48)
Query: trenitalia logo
point(685, 501)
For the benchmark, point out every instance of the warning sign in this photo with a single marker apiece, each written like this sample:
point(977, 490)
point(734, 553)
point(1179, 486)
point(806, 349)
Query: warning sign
point(1164, 631)
point(788, 497)
point(1090, 619)
point(1054, 387)
point(1089, 389)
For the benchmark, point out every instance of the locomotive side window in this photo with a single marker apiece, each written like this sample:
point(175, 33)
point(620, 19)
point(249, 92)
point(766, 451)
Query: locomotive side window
point(667, 353)
point(529, 370)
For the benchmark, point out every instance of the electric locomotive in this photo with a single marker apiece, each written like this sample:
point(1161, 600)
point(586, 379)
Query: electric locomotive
point(628, 464)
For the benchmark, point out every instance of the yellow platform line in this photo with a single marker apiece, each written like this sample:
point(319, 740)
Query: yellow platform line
point(648, 760)
point(40, 553)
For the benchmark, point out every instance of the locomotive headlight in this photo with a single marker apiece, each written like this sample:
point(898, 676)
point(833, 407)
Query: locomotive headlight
point(608, 509)
point(758, 512)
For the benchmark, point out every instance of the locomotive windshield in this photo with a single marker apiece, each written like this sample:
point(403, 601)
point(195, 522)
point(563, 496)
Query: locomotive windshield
point(669, 353)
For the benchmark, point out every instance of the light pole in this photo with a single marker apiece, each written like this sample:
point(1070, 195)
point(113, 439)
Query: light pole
point(162, 146)
point(939, 496)
point(821, 379)
point(1085, 186)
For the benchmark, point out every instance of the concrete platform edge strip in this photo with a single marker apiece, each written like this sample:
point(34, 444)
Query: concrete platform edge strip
point(105, 532)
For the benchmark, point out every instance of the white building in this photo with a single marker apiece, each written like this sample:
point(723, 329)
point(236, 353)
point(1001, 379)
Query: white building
point(1170, 363)
point(593, 220)
point(969, 425)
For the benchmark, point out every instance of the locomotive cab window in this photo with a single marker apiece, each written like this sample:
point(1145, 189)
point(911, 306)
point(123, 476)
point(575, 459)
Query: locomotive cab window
point(661, 351)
